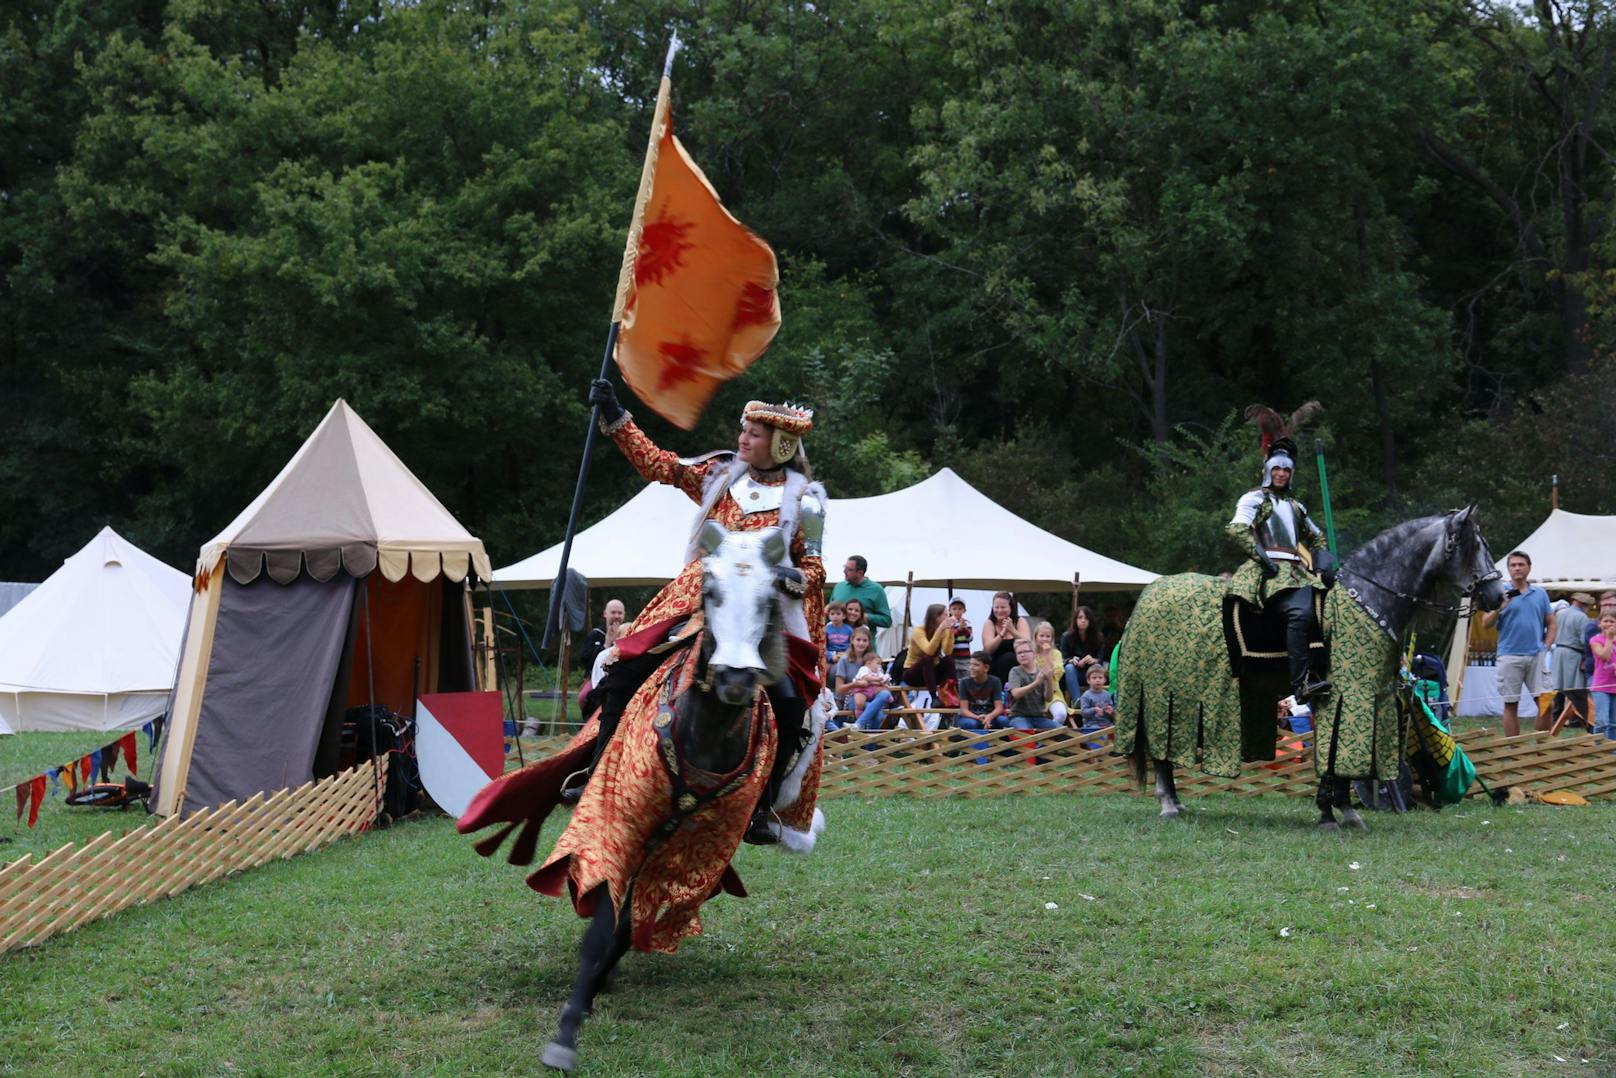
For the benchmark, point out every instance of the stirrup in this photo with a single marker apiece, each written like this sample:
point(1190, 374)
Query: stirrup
point(758, 832)
point(1312, 688)
point(571, 792)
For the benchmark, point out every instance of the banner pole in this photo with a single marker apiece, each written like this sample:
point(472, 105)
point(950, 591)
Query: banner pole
point(1324, 495)
point(625, 278)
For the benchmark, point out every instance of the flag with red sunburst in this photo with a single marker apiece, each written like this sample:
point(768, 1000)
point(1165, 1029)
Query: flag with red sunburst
point(701, 304)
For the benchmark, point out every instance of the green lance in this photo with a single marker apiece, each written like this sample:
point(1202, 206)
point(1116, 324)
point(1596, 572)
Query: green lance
point(1324, 495)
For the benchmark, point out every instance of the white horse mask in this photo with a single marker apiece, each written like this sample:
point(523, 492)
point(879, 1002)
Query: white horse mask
point(742, 604)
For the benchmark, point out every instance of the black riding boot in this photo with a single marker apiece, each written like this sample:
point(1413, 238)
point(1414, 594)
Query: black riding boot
point(1296, 607)
point(617, 687)
point(789, 711)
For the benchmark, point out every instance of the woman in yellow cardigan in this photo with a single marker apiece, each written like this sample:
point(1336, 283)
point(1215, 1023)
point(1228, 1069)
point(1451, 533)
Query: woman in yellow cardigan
point(929, 646)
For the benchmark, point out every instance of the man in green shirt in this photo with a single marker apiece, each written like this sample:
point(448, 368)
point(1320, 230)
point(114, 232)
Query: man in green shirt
point(871, 596)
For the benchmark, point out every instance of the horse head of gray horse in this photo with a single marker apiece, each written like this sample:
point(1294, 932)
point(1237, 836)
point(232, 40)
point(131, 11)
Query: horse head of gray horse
point(745, 645)
point(1467, 562)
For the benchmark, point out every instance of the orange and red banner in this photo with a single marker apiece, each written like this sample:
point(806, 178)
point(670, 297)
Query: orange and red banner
point(697, 301)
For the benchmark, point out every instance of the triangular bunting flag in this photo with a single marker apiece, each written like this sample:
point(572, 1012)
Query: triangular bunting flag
point(128, 743)
point(55, 774)
point(96, 769)
point(36, 789)
point(86, 767)
point(22, 798)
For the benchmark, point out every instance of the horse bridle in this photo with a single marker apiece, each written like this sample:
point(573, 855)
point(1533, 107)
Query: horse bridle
point(1451, 543)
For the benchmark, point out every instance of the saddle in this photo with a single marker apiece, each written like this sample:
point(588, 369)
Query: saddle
point(1256, 640)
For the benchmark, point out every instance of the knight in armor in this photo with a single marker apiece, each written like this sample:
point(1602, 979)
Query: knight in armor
point(1289, 559)
point(764, 483)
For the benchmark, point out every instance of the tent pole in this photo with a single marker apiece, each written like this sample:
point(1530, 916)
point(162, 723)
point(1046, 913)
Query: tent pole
point(908, 590)
point(370, 710)
point(1077, 587)
point(561, 677)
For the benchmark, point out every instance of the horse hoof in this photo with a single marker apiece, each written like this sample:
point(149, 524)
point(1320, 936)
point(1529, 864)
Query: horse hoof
point(1354, 821)
point(558, 1056)
point(1329, 827)
point(1170, 811)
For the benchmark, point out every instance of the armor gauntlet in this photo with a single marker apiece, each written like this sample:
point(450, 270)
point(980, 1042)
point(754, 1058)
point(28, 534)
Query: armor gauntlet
point(811, 523)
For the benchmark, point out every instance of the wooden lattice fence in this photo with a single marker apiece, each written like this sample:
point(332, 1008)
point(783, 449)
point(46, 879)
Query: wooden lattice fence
point(78, 884)
point(945, 763)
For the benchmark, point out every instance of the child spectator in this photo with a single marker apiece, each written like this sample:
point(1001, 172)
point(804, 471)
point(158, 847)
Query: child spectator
point(1049, 660)
point(1097, 707)
point(981, 696)
point(1603, 684)
point(838, 634)
point(963, 635)
point(1029, 691)
point(869, 685)
point(859, 650)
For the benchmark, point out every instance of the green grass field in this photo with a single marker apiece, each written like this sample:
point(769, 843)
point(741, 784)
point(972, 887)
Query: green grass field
point(916, 940)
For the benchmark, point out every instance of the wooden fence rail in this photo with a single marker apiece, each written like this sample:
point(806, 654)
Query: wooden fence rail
point(958, 763)
point(78, 884)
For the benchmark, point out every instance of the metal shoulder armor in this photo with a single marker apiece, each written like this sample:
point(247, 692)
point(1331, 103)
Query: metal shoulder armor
point(811, 522)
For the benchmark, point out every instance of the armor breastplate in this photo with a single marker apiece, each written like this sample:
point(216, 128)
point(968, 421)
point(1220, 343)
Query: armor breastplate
point(1278, 533)
point(755, 497)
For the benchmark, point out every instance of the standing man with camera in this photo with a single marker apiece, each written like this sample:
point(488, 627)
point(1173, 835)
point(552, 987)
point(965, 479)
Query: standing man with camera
point(1526, 627)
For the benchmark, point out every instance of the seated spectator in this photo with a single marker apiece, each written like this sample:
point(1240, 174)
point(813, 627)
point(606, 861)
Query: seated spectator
point(853, 616)
point(871, 709)
point(961, 653)
point(981, 697)
point(1030, 688)
point(1082, 648)
point(1049, 660)
point(1096, 708)
point(837, 632)
point(928, 644)
point(1000, 633)
point(872, 596)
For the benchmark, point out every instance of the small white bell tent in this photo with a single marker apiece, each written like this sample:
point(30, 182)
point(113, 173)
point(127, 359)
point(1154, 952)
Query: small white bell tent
point(93, 647)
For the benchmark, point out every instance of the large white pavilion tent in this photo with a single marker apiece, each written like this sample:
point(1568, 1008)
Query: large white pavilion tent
point(913, 530)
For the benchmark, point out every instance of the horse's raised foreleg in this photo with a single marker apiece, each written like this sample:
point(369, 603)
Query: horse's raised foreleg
point(597, 954)
point(1167, 791)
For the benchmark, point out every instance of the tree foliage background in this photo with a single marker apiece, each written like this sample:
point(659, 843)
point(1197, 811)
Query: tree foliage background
point(1053, 245)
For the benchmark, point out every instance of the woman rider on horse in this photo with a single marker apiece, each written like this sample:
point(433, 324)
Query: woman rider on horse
point(765, 483)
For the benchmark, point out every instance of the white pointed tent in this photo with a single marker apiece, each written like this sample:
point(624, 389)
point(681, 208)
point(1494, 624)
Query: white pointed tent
point(339, 586)
point(1569, 552)
point(918, 529)
point(93, 647)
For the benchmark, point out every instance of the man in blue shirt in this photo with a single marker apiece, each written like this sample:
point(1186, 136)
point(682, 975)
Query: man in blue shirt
point(1526, 627)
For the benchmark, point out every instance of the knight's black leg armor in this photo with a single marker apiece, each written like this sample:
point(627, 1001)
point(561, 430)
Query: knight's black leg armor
point(1295, 606)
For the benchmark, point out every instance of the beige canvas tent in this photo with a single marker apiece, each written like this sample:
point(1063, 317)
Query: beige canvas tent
point(341, 585)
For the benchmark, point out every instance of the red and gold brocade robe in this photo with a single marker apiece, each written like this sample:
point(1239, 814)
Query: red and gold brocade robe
point(681, 597)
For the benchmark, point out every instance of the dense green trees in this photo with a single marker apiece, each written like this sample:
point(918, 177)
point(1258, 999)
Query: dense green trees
point(1052, 243)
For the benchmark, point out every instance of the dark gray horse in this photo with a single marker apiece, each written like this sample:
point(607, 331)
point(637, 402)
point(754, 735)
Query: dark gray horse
point(709, 728)
point(1179, 702)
